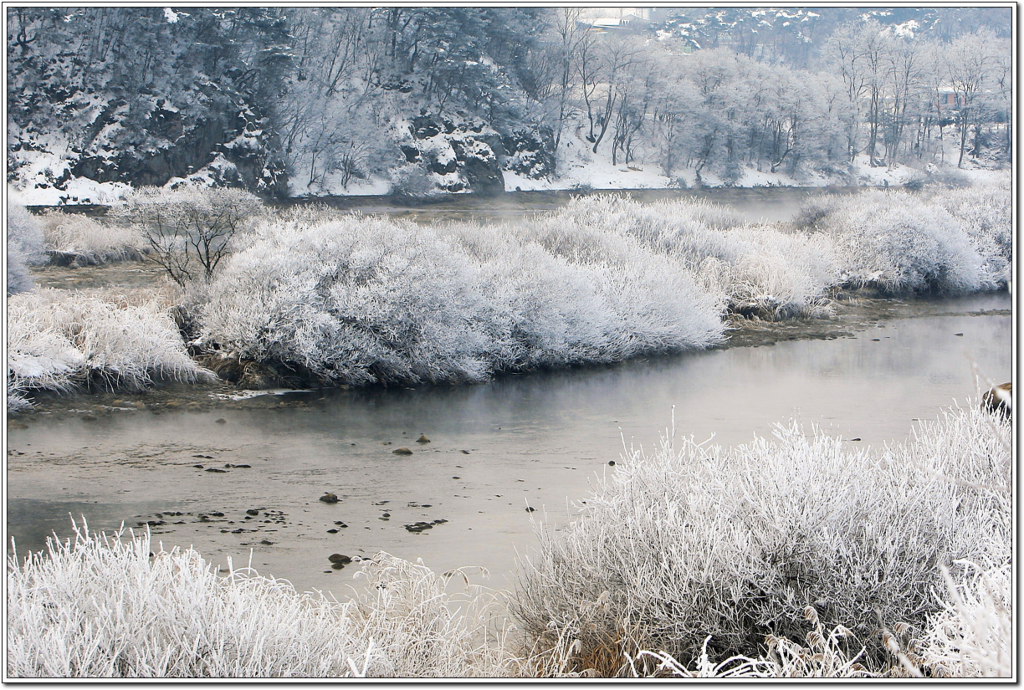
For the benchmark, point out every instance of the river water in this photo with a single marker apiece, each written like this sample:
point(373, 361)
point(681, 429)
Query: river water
point(533, 441)
point(752, 204)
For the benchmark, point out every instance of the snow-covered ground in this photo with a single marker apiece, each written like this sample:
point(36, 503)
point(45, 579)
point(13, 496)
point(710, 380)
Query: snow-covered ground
point(373, 186)
point(79, 190)
point(579, 168)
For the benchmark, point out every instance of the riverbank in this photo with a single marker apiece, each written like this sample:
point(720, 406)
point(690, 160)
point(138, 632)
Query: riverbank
point(854, 316)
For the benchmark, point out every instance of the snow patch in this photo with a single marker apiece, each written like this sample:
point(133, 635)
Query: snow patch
point(79, 190)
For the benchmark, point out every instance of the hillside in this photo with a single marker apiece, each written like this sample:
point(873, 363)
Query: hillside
point(415, 101)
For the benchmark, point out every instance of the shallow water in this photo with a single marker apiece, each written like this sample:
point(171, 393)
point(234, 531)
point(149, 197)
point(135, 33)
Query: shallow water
point(536, 440)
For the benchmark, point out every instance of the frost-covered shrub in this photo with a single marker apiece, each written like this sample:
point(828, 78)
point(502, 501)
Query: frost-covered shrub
point(949, 177)
point(352, 302)
point(752, 269)
point(189, 229)
point(94, 242)
point(695, 540)
point(984, 213)
point(362, 300)
point(776, 275)
point(900, 242)
point(119, 606)
point(347, 299)
point(19, 279)
point(956, 241)
point(817, 209)
point(25, 232)
point(24, 247)
point(57, 340)
point(972, 636)
point(412, 181)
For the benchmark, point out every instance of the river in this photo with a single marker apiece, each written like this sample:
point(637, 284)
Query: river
point(193, 460)
point(753, 204)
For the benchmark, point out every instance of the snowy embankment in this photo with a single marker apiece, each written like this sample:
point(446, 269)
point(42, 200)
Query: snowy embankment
point(786, 557)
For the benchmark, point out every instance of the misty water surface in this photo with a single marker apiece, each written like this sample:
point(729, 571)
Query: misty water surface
point(537, 440)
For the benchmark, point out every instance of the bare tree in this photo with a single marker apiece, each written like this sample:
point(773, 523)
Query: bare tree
point(617, 55)
point(874, 49)
point(573, 41)
point(843, 52)
point(587, 67)
point(904, 74)
point(1003, 78)
point(189, 229)
point(634, 102)
point(968, 60)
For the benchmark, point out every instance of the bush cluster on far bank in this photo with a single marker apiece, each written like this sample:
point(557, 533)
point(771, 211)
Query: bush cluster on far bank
point(307, 296)
point(58, 341)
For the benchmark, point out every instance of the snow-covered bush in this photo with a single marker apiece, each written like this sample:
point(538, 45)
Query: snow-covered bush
point(93, 241)
point(904, 242)
point(752, 269)
point(57, 340)
point(118, 606)
point(412, 181)
point(694, 540)
point(971, 637)
point(190, 228)
point(360, 300)
point(776, 275)
point(984, 213)
point(18, 277)
point(356, 300)
point(817, 209)
point(24, 247)
point(900, 243)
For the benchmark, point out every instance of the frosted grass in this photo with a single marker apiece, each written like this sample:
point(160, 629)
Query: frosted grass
point(107, 606)
point(59, 340)
point(692, 540)
point(94, 242)
point(972, 635)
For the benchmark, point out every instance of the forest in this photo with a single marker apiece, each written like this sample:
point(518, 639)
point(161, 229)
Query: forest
point(413, 101)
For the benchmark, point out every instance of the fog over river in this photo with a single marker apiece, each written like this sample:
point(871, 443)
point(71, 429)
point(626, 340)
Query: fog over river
point(494, 450)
